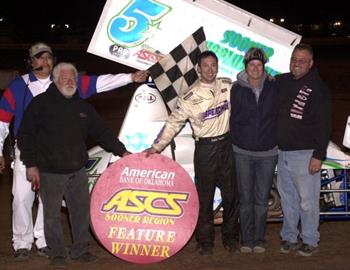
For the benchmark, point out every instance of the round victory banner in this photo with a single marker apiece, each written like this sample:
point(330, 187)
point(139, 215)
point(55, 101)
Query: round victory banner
point(144, 209)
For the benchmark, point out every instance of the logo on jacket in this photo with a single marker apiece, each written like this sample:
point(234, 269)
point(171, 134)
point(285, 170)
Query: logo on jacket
point(300, 101)
point(215, 112)
point(83, 115)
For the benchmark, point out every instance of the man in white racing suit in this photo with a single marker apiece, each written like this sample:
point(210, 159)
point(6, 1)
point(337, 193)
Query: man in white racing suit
point(207, 107)
point(14, 101)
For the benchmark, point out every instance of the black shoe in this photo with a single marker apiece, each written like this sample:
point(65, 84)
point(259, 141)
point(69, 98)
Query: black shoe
point(58, 262)
point(85, 257)
point(43, 252)
point(22, 255)
point(231, 248)
point(307, 250)
point(287, 247)
point(205, 251)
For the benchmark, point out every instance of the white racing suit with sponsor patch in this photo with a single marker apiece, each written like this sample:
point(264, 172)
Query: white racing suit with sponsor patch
point(207, 108)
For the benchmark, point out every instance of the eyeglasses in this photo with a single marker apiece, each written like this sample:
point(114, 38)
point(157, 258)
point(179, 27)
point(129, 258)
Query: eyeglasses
point(299, 61)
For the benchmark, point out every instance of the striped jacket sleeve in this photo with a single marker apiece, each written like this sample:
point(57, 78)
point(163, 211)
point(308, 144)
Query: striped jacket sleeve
point(91, 85)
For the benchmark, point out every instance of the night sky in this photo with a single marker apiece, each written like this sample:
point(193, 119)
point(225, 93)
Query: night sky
point(30, 19)
point(295, 10)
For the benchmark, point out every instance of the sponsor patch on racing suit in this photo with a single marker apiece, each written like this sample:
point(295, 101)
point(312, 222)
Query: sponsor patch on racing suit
point(206, 106)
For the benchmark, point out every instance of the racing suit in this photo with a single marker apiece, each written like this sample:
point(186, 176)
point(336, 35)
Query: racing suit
point(207, 108)
point(12, 104)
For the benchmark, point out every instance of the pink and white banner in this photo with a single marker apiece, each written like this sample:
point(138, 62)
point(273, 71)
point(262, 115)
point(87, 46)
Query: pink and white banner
point(144, 209)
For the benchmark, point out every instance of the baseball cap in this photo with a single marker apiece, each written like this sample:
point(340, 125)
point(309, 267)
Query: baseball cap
point(255, 54)
point(39, 48)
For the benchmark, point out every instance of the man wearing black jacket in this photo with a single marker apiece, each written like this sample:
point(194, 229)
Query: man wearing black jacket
point(303, 132)
point(52, 142)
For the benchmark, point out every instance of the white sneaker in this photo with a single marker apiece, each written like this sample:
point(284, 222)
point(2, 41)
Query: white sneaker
point(246, 249)
point(259, 249)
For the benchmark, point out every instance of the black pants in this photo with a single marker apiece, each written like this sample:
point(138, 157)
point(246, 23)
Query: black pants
point(74, 188)
point(213, 165)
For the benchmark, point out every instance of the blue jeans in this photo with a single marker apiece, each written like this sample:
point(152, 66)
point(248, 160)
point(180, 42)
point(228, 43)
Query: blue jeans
point(300, 196)
point(254, 179)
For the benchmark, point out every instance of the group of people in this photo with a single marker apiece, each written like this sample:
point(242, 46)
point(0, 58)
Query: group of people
point(242, 130)
point(51, 124)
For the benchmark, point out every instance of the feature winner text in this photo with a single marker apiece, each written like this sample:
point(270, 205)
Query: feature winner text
point(153, 242)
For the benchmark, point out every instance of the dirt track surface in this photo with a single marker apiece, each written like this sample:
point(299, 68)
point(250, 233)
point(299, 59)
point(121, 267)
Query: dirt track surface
point(334, 250)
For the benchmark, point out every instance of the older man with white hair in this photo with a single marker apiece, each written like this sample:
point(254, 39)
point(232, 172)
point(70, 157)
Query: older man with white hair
point(53, 149)
point(17, 96)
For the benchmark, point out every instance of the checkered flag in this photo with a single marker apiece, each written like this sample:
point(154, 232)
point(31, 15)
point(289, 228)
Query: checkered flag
point(175, 73)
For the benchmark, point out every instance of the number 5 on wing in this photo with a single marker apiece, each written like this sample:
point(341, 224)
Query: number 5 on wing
point(128, 27)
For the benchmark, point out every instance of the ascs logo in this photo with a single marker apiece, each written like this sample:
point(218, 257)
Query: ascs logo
point(145, 97)
point(146, 201)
